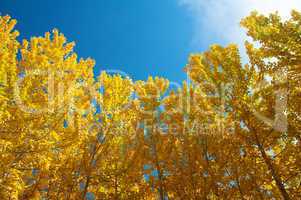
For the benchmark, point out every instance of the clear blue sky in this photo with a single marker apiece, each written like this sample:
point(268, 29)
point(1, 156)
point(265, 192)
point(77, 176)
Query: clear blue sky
point(139, 37)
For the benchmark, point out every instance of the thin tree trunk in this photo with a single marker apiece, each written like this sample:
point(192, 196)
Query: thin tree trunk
point(275, 174)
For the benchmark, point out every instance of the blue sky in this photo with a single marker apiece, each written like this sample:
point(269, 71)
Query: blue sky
point(140, 37)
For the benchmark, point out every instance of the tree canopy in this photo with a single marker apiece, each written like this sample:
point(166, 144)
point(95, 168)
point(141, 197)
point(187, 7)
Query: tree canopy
point(232, 132)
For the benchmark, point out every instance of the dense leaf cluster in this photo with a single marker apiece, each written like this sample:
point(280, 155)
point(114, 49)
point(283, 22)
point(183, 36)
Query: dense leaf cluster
point(232, 132)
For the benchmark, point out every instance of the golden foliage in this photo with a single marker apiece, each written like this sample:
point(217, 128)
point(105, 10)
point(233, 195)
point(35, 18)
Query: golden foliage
point(233, 132)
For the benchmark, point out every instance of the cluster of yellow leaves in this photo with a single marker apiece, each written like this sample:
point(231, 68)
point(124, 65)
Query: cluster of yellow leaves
point(8, 51)
point(229, 134)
